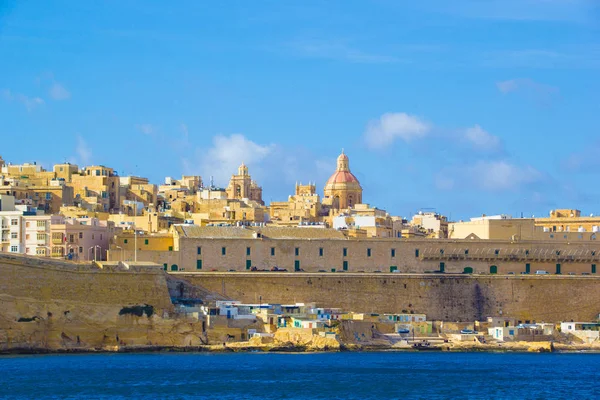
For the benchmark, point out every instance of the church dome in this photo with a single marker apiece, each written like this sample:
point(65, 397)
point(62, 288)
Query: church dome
point(342, 177)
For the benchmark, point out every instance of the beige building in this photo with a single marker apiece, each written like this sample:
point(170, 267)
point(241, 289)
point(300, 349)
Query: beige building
point(342, 189)
point(97, 188)
point(303, 207)
point(568, 220)
point(241, 186)
point(327, 250)
point(502, 227)
point(432, 224)
point(139, 190)
point(48, 198)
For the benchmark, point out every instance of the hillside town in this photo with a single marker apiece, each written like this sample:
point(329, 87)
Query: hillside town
point(92, 214)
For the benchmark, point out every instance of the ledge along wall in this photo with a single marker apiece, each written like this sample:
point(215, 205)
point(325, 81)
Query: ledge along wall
point(447, 298)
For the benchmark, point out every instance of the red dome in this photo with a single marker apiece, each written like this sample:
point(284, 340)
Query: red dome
point(342, 177)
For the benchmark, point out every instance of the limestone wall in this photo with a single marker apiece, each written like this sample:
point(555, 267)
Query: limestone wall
point(48, 304)
point(449, 298)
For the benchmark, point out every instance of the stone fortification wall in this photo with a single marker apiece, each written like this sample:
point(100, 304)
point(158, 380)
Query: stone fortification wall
point(47, 304)
point(449, 298)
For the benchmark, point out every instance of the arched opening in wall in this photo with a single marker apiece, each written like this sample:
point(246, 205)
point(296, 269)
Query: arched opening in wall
point(493, 269)
point(468, 270)
point(350, 200)
point(238, 191)
point(174, 267)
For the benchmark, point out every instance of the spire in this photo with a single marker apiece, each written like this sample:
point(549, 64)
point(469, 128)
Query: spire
point(342, 162)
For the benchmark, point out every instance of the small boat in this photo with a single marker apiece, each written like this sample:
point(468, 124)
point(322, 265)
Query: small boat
point(403, 330)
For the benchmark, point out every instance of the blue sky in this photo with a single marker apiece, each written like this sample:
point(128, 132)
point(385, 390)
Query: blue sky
point(465, 107)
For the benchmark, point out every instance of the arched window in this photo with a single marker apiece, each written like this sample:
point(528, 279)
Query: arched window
point(493, 269)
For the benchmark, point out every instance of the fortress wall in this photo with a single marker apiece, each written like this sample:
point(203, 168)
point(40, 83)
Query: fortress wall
point(449, 298)
point(45, 279)
point(48, 304)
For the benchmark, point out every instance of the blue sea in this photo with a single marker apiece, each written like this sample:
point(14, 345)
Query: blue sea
point(382, 375)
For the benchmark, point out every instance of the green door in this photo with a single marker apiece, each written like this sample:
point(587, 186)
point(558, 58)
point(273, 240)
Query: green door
point(198, 264)
point(248, 264)
point(528, 268)
point(468, 270)
point(174, 267)
point(593, 268)
point(393, 268)
point(297, 265)
point(558, 269)
point(345, 266)
point(442, 267)
point(493, 269)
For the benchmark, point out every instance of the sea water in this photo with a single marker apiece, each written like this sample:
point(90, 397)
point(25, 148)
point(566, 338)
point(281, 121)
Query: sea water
point(345, 375)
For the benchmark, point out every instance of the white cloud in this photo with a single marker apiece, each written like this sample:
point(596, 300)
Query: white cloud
point(493, 176)
point(539, 92)
point(228, 152)
point(514, 85)
point(146, 129)
point(337, 50)
point(482, 139)
point(391, 126)
point(29, 102)
point(84, 153)
point(59, 92)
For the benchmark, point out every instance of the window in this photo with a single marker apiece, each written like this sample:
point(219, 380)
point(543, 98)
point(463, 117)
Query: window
point(223, 251)
point(297, 251)
point(320, 252)
point(40, 252)
point(41, 236)
point(145, 241)
point(368, 252)
point(393, 253)
point(41, 224)
point(48, 196)
point(170, 248)
point(466, 251)
point(27, 224)
point(416, 252)
point(345, 252)
point(13, 235)
point(496, 252)
point(272, 251)
point(14, 249)
point(93, 237)
point(165, 265)
point(248, 251)
point(199, 250)
point(72, 238)
point(80, 235)
point(80, 249)
point(14, 222)
point(124, 240)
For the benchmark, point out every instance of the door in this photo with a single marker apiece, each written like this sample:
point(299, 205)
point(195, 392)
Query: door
point(248, 264)
point(493, 269)
point(297, 265)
